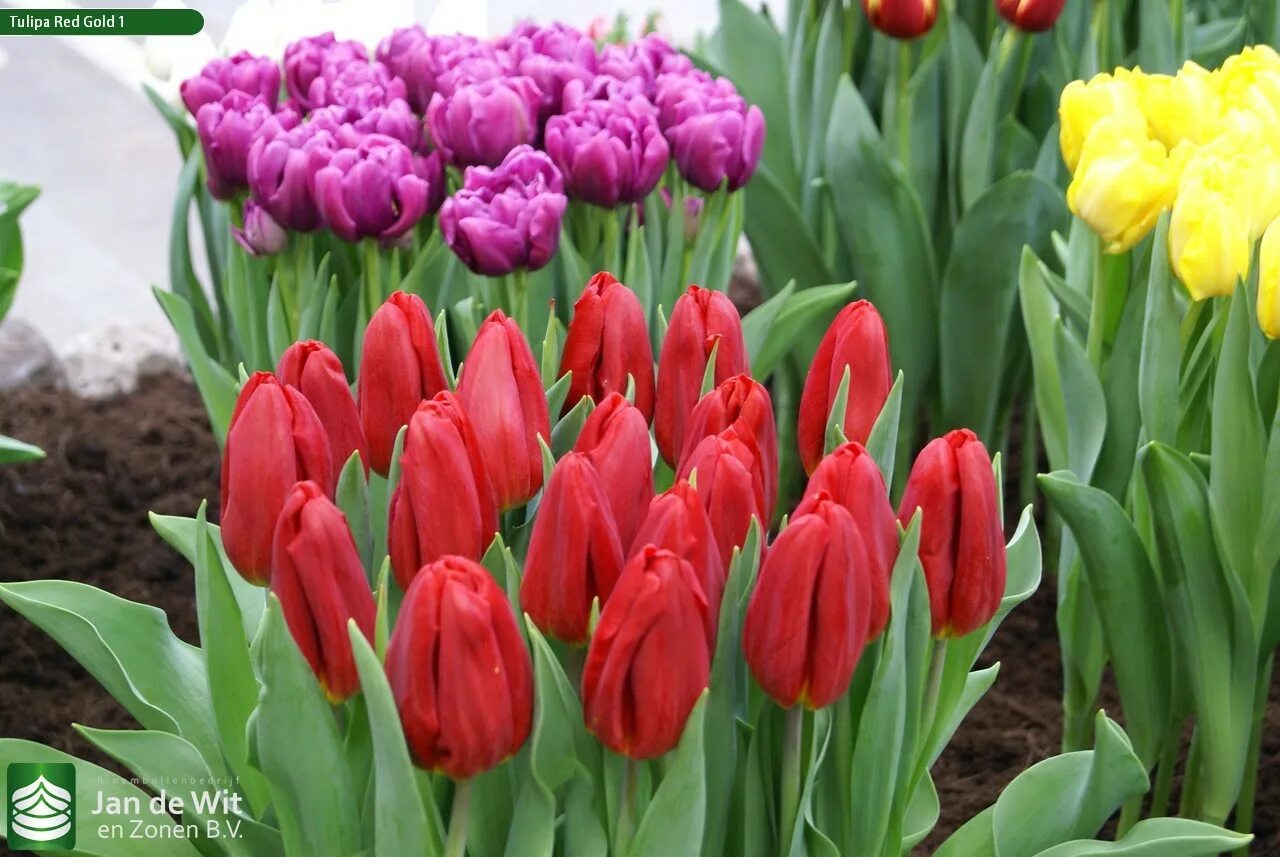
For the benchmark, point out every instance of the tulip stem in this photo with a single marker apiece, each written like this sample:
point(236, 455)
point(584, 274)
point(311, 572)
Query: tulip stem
point(903, 105)
point(372, 277)
point(1249, 786)
point(459, 818)
point(790, 796)
point(1164, 772)
point(937, 669)
point(626, 809)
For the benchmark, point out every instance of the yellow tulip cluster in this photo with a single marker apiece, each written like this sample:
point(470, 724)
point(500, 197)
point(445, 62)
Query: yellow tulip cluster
point(1205, 144)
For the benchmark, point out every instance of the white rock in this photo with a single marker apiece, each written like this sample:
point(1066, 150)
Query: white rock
point(110, 360)
point(26, 358)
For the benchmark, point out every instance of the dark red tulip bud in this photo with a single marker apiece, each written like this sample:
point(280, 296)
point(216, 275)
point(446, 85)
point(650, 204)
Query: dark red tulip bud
point(961, 537)
point(274, 441)
point(443, 503)
point(807, 622)
point(1031, 16)
point(501, 391)
point(699, 320)
point(615, 439)
point(902, 19)
point(399, 368)
point(316, 372)
point(317, 574)
point(857, 339)
point(575, 555)
point(608, 341)
point(459, 670)
point(729, 482)
point(743, 403)
point(648, 661)
point(851, 477)
point(677, 522)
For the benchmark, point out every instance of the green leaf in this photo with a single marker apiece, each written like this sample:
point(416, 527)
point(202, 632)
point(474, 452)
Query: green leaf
point(922, 813)
point(216, 385)
point(314, 798)
point(978, 144)
point(799, 315)
point(1041, 318)
point(673, 822)
point(130, 650)
point(92, 781)
point(352, 497)
point(13, 451)
point(559, 744)
point(566, 430)
point(1158, 837)
point(557, 392)
point(1130, 605)
point(180, 534)
point(835, 436)
point(278, 336)
point(882, 442)
point(1085, 404)
point(757, 325)
point(400, 825)
point(784, 245)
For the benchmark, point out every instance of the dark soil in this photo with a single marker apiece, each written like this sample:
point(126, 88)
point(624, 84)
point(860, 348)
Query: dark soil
point(81, 514)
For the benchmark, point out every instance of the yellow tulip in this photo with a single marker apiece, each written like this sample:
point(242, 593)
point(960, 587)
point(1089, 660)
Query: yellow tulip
point(1209, 240)
point(1083, 105)
point(1185, 106)
point(1122, 183)
point(1241, 165)
point(1269, 282)
point(1240, 73)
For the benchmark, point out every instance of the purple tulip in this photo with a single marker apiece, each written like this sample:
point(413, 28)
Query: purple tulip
point(644, 60)
point(431, 64)
point(358, 86)
point(610, 152)
point(306, 59)
point(602, 87)
point(553, 56)
point(506, 218)
point(482, 122)
point(715, 135)
point(244, 72)
point(260, 236)
point(393, 119)
point(282, 173)
point(227, 129)
point(375, 190)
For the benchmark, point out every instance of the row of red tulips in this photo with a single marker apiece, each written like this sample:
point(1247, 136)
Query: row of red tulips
point(654, 566)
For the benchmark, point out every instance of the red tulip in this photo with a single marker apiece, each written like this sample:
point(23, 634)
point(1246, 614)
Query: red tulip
point(856, 339)
point(961, 537)
point(615, 438)
point(320, 581)
point(1032, 16)
point(743, 403)
point(316, 372)
point(729, 483)
point(459, 670)
point(443, 503)
point(501, 391)
point(807, 622)
point(274, 440)
point(699, 320)
point(851, 477)
point(902, 19)
point(677, 522)
point(608, 341)
point(574, 556)
point(648, 661)
point(399, 367)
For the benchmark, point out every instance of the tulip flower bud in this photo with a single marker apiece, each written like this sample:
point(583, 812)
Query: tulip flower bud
point(357, 87)
point(962, 544)
point(1083, 105)
point(282, 170)
point(443, 503)
point(501, 392)
point(459, 670)
point(227, 129)
point(375, 190)
point(851, 477)
point(274, 441)
point(716, 137)
point(700, 321)
point(743, 403)
point(320, 581)
point(507, 218)
point(260, 236)
point(316, 372)
point(482, 122)
point(1269, 282)
point(648, 661)
point(399, 368)
point(307, 59)
point(902, 19)
point(730, 482)
point(856, 340)
point(806, 625)
point(1031, 16)
point(608, 343)
point(554, 56)
point(610, 152)
point(615, 439)
point(254, 76)
point(677, 522)
point(1210, 240)
point(575, 555)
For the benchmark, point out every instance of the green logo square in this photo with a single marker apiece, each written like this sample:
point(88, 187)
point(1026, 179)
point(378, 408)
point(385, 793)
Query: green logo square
point(41, 806)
